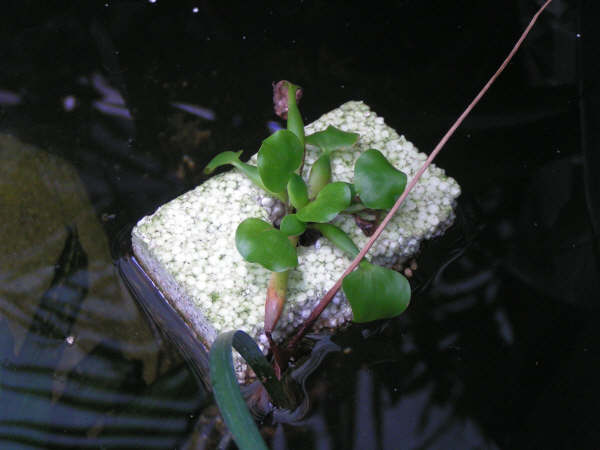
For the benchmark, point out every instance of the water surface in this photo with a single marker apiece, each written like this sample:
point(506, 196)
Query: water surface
point(109, 109)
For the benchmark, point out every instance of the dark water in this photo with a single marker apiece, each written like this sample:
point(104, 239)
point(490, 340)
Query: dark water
point(500, 347)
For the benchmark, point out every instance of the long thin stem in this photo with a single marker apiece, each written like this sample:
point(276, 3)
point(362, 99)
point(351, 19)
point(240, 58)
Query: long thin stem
point(331, 293)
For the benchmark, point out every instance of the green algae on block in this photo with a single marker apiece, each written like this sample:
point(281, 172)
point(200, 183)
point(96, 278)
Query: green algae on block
point(188, 245)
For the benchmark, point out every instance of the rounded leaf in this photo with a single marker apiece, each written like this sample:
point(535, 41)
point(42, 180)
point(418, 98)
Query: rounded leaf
point(278, 157)
point(258, 242)
point(333, 198)
point(297, 191)
point(378, 183)
point(375, 292)
point(292, 226)
point(332, 139)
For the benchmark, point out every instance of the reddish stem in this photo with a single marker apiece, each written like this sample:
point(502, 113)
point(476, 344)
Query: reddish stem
point(330, 294)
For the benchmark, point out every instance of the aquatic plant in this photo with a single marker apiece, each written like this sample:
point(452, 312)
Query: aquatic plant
point(312, 204)
point(370, 289)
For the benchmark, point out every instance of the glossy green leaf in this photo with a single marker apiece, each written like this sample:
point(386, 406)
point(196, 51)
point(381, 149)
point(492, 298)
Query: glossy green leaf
point(338, 237)
point(333, 198)
point(233, 158)
point(257, 241)
point(278, 157)
point(378, 183)
point(222, 159)
point(354, 208)
point(332, 139)
point(297, 191)
point(252, 173)
point(227, 392)
point(320, 175)
point(376, 292)
point(352, 189)
point(294, 118)
point(292, 226)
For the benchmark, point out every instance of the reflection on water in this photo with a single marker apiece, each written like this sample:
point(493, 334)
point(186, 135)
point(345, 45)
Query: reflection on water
point(80, 367)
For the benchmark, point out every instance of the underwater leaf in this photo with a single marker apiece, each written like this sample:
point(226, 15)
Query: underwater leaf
point(378, 183)
point(292, 226)
point(334, 198)
point(338, 237)
point(332, 139)
point(297, 191)
point(320, 175)
point(257, 241)
point(375, 292)
point(294, 119)
point(278, 157)
point(227, 390)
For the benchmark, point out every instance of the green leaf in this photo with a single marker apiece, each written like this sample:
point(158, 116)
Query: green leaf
point(352, 189)
point(278, 157)
point(332, 139)
point(297, 191)
point(294, 120)
point(320, 175)
point(354, 208)
point(338, 237)
point(233, 158)
point(222, 159)
point(375, 292)
point(334, 198)
point(257, 241)
point(378, 183)
point(227, 391)
point(292, 226)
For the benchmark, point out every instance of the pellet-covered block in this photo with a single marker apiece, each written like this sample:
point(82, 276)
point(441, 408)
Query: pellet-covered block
point(188, 245)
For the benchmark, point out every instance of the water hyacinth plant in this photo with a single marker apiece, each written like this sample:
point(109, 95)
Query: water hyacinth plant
point(373, 292)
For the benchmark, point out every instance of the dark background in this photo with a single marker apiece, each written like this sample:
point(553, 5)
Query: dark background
point(500, 348)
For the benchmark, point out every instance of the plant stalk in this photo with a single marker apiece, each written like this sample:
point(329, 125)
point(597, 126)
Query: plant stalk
point(336, 287)
point(276, 295)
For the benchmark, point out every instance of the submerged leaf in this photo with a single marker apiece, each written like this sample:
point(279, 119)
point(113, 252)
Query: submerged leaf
point(378, 183)
point(257, 241)
point(331, 139)
point(292, 226)
point(334, 198)
point(227, 391)
point(375, 292)
point(278, 157)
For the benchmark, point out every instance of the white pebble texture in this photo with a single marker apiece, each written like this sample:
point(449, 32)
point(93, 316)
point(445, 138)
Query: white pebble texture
point(188, 244)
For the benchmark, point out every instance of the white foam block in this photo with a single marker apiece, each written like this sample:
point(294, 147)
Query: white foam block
point(188, 245)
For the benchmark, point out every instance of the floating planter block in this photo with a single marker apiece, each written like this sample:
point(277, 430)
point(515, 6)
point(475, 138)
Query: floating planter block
point(188, 245)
